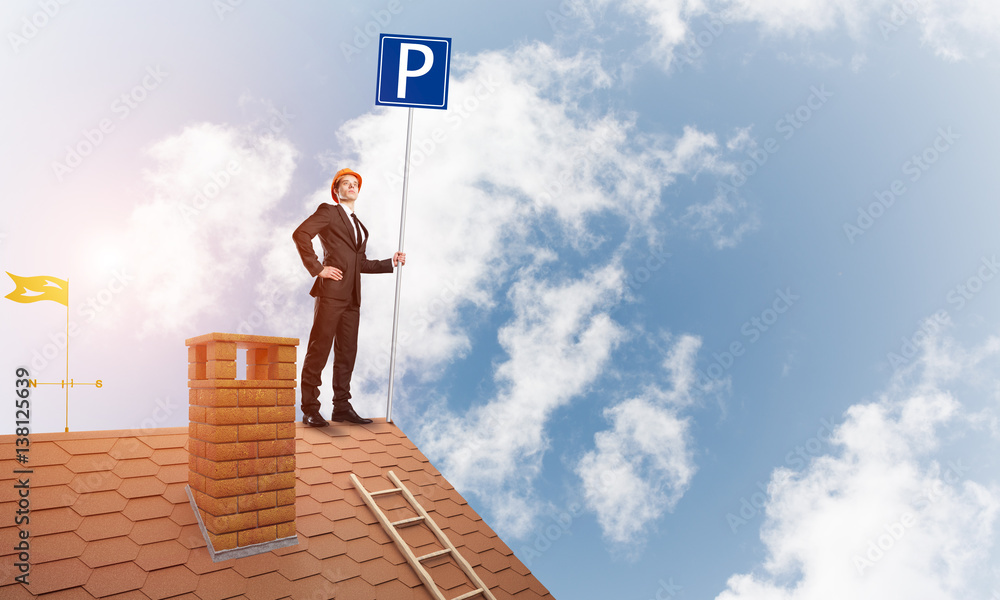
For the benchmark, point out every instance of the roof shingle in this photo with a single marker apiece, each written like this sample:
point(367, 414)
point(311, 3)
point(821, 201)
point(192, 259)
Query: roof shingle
point(111, 519)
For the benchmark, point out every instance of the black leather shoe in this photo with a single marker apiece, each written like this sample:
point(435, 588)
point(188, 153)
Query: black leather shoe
point(313, 419)
point(350, 416)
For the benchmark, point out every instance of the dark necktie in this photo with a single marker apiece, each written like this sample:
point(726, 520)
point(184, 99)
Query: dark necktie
point(357, 230)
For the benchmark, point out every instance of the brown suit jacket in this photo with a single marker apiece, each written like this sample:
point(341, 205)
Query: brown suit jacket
point(336, 232)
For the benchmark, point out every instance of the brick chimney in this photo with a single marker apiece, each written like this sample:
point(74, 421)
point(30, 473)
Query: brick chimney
point(241, 441)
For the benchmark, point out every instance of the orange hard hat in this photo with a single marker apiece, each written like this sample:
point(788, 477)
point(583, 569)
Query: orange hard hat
point(336, 179)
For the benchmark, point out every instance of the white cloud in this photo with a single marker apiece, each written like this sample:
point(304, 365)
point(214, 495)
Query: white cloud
point(958, 29)
point(890, 515)
point(858, 61)
point(727, 217)
point(558, 344)
point(505, 187)
point(211, 190)
point(741, 140)
point(643, 464)
point(547, 168)
point(679, 363)
point(504, 190)
point(667, 21)
point(546, 158)
point(953, 29)
point(791, 16)
point(512, 158)
point(724, 219)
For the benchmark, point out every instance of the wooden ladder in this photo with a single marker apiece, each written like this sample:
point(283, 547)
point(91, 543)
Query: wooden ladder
point(422, 517)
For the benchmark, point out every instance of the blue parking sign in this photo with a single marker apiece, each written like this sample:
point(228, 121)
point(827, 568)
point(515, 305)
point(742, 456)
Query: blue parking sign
point(413, 71)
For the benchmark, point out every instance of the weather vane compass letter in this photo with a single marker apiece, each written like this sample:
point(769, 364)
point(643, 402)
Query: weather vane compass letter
point(36, 289)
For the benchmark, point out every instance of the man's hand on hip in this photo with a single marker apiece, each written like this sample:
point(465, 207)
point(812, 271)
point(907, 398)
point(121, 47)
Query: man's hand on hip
point(331, 273)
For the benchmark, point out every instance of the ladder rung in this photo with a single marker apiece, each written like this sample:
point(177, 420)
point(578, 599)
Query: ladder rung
point(433, 554)
point(407, 550)
point(406, 522)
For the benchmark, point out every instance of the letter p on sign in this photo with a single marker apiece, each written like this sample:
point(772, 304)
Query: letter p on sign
point(413, 71)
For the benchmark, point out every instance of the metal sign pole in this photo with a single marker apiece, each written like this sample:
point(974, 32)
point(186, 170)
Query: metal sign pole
point(399, 268)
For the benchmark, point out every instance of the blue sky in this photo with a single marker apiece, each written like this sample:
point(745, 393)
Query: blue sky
point(701, 299)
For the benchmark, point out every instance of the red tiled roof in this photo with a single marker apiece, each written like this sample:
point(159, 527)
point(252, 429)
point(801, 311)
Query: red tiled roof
point(110, 518)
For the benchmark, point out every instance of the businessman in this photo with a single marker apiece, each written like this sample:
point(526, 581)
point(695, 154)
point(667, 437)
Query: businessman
point(337, 290)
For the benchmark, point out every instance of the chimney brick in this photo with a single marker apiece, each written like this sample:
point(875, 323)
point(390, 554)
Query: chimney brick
point(279, 514)
point(277, 448)
point(285, 530)
point(286, 497)
point(259, 397)
point(242, 442)
point(286, 397)
point(256, 433)
point(258, 501)
point(257, 466)
point(276, 414)
point(258, 535)
point(222, 542)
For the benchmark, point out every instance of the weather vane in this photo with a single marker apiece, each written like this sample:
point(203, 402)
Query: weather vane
point(36, 289)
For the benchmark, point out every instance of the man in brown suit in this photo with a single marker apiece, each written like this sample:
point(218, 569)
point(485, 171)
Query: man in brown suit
point(338, 296)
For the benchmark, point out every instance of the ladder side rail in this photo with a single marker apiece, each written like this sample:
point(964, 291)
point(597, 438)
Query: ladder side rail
point(445, 541)
point(425, 577)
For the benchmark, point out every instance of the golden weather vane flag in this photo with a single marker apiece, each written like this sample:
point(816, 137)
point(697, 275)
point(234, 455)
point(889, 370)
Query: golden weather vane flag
point(42, 287)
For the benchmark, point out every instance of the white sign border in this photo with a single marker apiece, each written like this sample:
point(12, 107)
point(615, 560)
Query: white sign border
point(447, 70)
